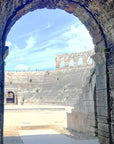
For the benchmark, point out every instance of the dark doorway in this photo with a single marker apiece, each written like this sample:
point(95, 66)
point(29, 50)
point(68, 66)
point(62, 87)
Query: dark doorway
point(10, 97)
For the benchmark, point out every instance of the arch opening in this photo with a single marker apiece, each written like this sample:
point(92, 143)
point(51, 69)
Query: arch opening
point(62, 64)
point(71, 63)
point(10, 99)
point(93, 38)
point(67, 92)
point(80, 61)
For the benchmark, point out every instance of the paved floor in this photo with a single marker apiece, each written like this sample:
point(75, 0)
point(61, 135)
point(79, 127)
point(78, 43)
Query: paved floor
point(49, 136)
point(13, 140)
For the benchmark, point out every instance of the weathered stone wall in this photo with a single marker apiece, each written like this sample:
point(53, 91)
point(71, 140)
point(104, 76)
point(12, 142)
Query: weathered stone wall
point(104, 98)
point(83, 117)
point(52, 87)
point(97, 16)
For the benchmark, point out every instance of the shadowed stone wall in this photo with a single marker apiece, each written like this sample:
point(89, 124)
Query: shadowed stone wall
point(98, 18)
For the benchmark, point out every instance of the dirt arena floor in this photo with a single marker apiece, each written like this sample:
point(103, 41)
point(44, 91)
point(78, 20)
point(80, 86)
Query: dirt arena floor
point(19, 120)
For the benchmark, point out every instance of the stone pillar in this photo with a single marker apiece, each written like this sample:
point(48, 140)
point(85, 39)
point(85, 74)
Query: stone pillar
point(67, 62)
point(4, 96)
point(15, 98)
point(110, 66)
point(102, 98)
point(76, 61)
point(58, 62)
point(85, 60)
point(2, 56)
point(19, 96)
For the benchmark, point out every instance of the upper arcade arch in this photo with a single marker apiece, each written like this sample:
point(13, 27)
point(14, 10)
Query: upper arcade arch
point(77, 59)
point(71, 63)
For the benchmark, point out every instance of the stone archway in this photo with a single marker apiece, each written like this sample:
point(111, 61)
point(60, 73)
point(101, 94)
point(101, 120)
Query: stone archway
point(97, 17)
point(10, 97)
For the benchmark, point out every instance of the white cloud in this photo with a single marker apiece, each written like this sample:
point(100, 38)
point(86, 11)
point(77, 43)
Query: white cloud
point(48, 26)
point(70, 32)
point(78, 39)
point(17, 54)
point(30, 42)
point(76, 30)
point(21, 67)
point(8, 43)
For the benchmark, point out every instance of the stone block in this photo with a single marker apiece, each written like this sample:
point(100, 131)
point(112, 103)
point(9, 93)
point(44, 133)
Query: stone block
point(79, 11)
point(103, 133)
point(113, 141)
point(79, 121)
point(101, 82)
point(91, 118)
point(101, 98)
point(1, 117)
point(89, 95)
point(90, 109)
point(103, 139)
point(110, 61)
point(112, 93)
point(111, 79)
point(90, 103)
point(91, 121)
point(112, 131)
point(102, 119)
point(100, 45)
point(87, 88)
point(97, 38)
point(92, 130)
point(100, 69)
point(103, 127)
point(102, 111)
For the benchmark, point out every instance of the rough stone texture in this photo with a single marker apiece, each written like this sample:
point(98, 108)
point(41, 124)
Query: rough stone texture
point(1, 93)
point(61, 86)
point(97, 16)
point(83, 116)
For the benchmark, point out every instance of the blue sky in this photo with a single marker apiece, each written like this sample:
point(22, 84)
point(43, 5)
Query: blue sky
point(36, 39)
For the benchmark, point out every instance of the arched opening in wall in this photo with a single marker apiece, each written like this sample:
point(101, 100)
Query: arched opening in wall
point(71, 63)
point(10, 99)
point(63, 88)
point(62, 64)
point(80, 61)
